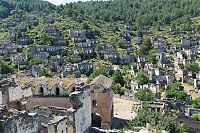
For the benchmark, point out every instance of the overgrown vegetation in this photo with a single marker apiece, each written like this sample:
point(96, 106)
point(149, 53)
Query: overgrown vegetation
point(5, 67)
point(144, 95)
point(157, 121)
point(196, 103)
point(140, 11)
point(196, 116)
point(174, 91)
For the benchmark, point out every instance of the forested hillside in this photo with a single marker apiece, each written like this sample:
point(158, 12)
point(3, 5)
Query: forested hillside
point(7, 6)
point(140, 11)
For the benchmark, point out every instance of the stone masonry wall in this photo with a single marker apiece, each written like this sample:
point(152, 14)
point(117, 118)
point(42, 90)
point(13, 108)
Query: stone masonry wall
point(83, 114)
point(48, 101)
point(104, 107)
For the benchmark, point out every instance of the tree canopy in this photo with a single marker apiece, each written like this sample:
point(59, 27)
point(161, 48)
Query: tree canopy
point(196, 103)
point(173, 91)
point(7, 7)
point(194, 67)
point(157, 120)
point(139, 11)
point(142, 78)
point(144, 95)
point(5, 68)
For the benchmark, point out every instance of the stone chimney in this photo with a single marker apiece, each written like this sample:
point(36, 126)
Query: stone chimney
point(75, 99)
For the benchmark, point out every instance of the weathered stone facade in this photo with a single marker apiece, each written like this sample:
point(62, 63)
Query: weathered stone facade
point(102, 102)
point(13, 121)
point(191, 125)
point(55, 110)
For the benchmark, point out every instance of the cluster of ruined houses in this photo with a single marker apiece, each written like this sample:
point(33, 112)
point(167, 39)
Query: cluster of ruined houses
point(170, 70)
point(85, 47)
point(168, 105)
point(55, 105)
point(53, 55)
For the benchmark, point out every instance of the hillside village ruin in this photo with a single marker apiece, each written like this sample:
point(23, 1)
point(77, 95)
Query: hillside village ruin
point(56, 110)
point(53, 89)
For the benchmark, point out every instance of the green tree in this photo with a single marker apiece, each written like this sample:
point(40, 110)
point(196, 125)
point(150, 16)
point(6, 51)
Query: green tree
point(118, 89)
point(5, 68)
point(142, 78)
point(196, 116)
point(118, 78)
point(157, 120)
point(98, 71)
point(196, 103)
point(45, 39)
point(45, 72)
point(173, 91)
point(144, 95)
point(35, 61)
point(145, 47)
point(152, 56)
point(194, 67)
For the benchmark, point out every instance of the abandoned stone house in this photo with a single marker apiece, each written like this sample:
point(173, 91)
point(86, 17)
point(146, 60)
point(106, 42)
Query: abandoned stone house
point(102, 102)
point(78, 32)
point(75, 119)
point(12, 95)
point(20, 60)
point(166, 106)
point(55, 105)
point(7, 50)
point(25, 41)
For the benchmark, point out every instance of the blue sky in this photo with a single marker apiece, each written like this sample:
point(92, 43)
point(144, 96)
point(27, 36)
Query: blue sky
point(58, 2)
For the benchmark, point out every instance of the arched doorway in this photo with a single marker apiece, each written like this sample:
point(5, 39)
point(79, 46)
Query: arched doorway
point(194, 76)
point(57, 91)
point(94, 103)
point(96, 120)
point(41, 91)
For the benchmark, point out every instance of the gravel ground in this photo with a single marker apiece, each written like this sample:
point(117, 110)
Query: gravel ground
point(123, 109)
point(122, 112)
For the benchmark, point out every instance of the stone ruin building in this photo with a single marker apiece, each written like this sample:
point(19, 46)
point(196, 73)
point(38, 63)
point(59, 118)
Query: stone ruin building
point(102, 102)
point(55, 105)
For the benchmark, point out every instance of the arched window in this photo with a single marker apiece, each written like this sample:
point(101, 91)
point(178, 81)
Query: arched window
point(94, 103)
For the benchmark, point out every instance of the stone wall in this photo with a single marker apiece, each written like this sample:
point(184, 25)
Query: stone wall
point(104, 107)
point(63, 102)
point(15, 93)
point(19, 123)
point(191, 125)
point(83, 115)
point(1, 98)
point(58, 125)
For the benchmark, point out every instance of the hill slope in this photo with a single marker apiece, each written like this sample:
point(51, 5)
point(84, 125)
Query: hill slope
point(6, 6)
point(140, 11)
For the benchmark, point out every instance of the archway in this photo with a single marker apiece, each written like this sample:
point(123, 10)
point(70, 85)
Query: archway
point(194, 76)
point(57, 91)
point(96, 120)
point(94, 103)
point(41, 91)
